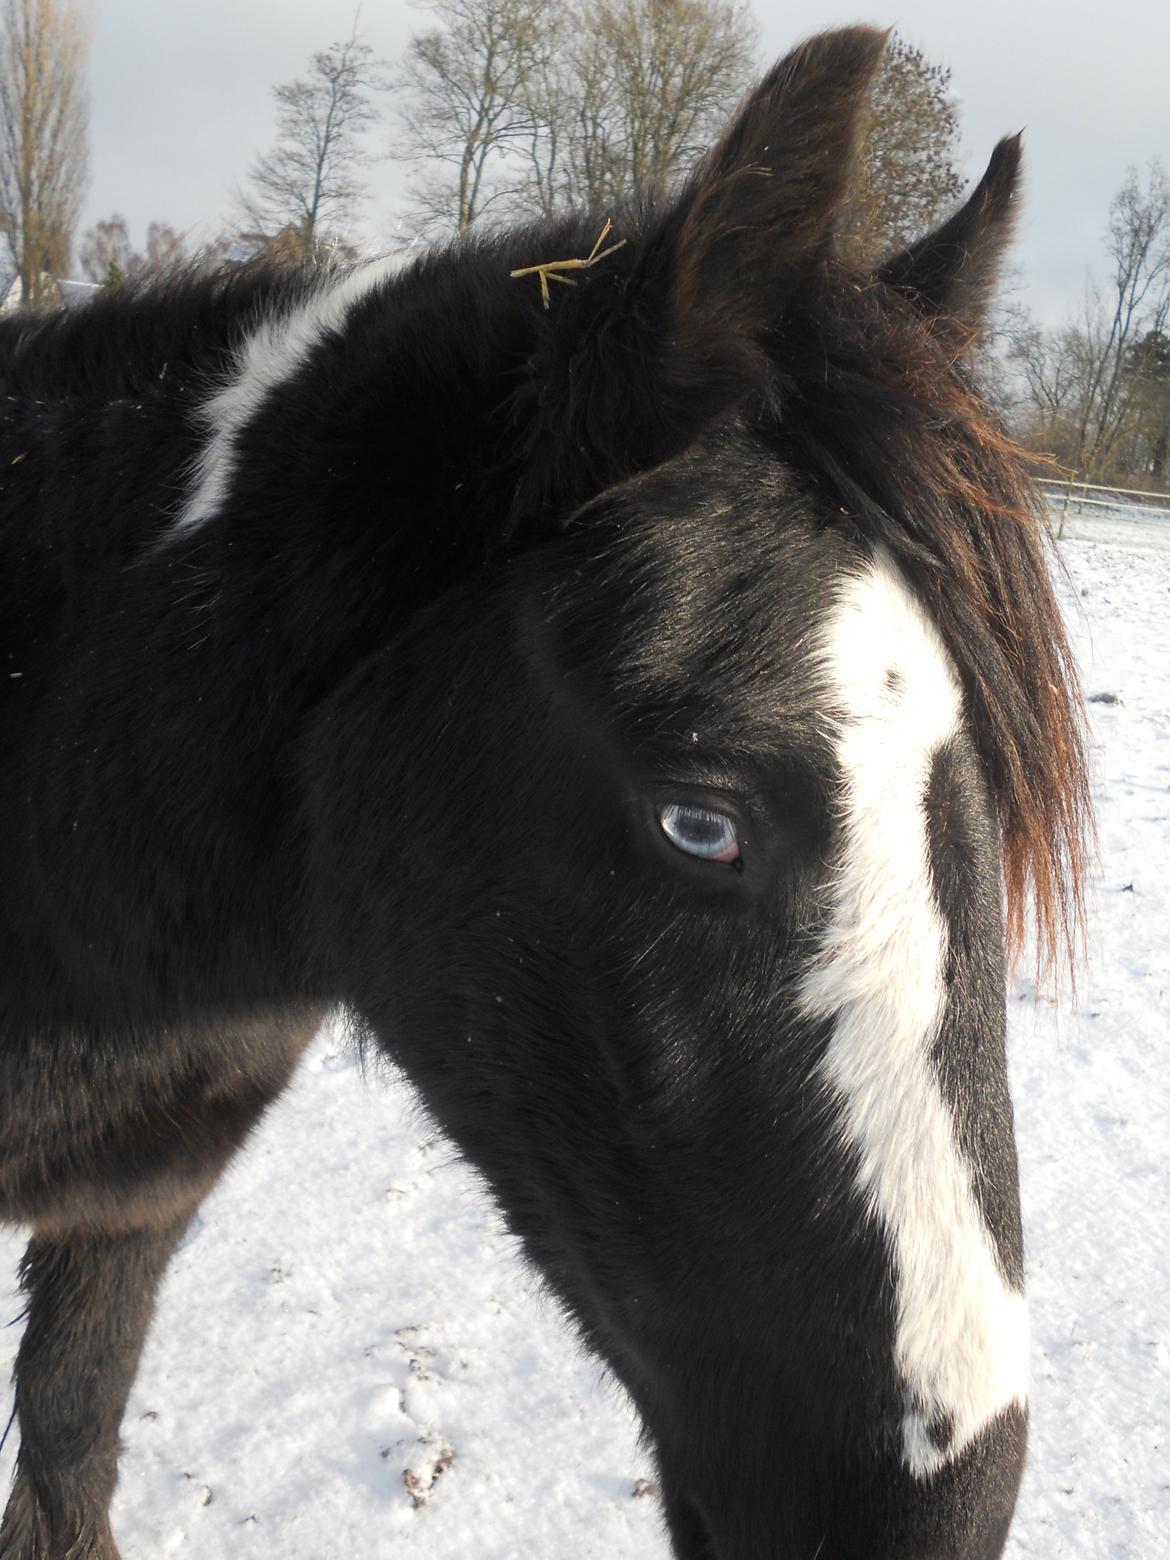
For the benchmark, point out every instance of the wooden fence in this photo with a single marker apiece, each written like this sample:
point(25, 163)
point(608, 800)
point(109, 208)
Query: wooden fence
point(1065, 492)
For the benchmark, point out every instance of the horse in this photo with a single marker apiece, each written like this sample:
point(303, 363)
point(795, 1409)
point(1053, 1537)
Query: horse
point(641, 705)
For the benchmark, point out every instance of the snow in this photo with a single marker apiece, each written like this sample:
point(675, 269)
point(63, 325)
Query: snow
point(1117, 525)
point(348, 1309)
point(1092, 1090)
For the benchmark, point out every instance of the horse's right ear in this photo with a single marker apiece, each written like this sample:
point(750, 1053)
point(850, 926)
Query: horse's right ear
point(952, 272)
point(757, 218)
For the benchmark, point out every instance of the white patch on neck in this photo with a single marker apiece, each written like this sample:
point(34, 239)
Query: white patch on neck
point(962, 1335)
point(271, 355)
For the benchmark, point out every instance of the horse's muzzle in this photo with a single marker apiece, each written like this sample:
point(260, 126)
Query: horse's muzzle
point(827, 1512)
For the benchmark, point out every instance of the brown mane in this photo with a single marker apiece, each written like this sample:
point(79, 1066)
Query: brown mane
point(876, 403)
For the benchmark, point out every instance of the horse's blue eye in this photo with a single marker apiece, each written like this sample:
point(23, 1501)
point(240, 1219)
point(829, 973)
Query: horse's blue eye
point(700, 831)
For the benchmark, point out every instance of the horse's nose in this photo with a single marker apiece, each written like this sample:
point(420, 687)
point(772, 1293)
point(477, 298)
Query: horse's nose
point(754, 1470)
point(728, 1526)
point(694, 1539)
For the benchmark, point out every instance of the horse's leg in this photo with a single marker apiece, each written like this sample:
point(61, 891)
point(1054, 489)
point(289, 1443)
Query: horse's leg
point(90, 1299)
point(90, 1275)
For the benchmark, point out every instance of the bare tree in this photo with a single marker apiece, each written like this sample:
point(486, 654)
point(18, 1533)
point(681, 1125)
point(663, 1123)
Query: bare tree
point(1053, 365)
point(654, 80)
point(906, 176)
point(535, 104)
point(1136, 307)
point(309, 179)
point(107, 254)
point(164, 248)
point(549, 106)
point(1098, 388)
point(468, 88)
point(44, 160)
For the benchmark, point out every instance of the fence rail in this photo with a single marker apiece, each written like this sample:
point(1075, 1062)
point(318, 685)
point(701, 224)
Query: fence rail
point(1124, 502)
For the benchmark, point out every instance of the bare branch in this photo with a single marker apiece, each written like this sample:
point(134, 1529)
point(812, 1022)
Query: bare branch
point(652, 81)
point(517, 105)
point(1099, 389)
point(466, 113)
point(309, 180)
point(107, 254)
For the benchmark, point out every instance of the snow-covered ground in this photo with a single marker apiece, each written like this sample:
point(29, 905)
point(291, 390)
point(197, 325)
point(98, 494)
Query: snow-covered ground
point(1117, 526)
point(349, 1311)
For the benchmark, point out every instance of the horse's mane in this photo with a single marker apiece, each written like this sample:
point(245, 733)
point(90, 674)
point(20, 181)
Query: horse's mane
point(113, 344)
point(878, 406)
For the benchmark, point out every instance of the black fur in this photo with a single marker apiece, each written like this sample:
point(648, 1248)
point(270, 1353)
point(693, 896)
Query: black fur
point(391, 729)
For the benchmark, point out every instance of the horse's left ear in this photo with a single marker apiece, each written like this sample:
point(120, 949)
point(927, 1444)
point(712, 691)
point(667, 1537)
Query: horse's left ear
point(952, 272)
point(754, 224)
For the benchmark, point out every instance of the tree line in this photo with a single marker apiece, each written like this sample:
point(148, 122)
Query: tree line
point(499, 108)
point(1095, 392)
point(502, 108)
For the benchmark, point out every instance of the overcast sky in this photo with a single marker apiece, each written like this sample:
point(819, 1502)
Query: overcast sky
point(181, 103)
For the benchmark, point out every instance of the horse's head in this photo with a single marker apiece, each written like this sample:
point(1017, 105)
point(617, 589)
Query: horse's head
point(694, 812)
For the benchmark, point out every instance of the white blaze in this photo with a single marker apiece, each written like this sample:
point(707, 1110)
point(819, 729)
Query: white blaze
point(272, 354)
point(962, 1335)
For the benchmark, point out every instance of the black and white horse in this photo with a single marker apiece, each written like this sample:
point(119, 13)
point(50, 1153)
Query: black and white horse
point(638, 711)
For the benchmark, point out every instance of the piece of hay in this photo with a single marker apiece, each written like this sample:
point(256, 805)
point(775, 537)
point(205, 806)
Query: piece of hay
point(550, 270)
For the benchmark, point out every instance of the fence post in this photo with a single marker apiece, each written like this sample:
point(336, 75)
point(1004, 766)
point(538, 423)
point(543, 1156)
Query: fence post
point(1064, 511)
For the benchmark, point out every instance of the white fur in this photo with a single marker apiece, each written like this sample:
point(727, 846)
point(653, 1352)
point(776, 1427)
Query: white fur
point(274, 351)
point(962, 1334)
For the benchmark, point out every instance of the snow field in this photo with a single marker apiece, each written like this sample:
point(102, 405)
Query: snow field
point(1092, 1088)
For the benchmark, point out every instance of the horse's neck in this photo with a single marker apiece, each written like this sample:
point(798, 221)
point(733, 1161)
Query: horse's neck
point(269, 427)
point(367, 420)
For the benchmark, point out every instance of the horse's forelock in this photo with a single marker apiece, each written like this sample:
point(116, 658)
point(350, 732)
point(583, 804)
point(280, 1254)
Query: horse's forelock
point(881, 415)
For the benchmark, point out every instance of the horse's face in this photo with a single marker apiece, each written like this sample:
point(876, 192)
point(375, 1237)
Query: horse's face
point(689, 921)
point(694, 947)
point(757, 857)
